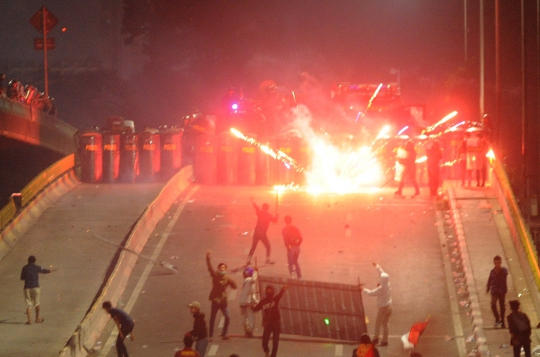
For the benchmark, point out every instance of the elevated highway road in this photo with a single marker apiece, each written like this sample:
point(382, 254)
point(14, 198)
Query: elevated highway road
point(410, 238)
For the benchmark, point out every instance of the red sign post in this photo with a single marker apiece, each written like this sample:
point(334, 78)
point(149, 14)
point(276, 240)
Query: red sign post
point(44, 21)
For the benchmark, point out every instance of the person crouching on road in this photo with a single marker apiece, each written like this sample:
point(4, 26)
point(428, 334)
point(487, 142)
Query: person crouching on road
point(271, 318)
point(247, 300)
point(125, 327)
point(199, 332)
point(384, 303)
point(218, 295)
point(366, 348)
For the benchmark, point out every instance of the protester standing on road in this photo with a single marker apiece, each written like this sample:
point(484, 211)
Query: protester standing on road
point(264, 218)
point(218, 295)
point(384, 302)
point(520, 330)
point(271, 318)
point(32, 291)
point(434, 156)
point(199, 332)
point(482, 161)
point(409, 171)
point(292, 239)
point(247, 300)
point(188, 350)
point(496, 285)
point(366, 348)
point(462, 160)
point(125, 327)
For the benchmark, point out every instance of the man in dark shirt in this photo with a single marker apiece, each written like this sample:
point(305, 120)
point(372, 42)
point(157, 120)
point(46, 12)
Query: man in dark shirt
point(271, 318)
point(292, 239)
point(496, 285)
point(264, 218)
point(32, 291)
point(199, 332)
point(125, 327)
point(218, 295)
point(520, 330)
point(409, 171)
point(188, 351)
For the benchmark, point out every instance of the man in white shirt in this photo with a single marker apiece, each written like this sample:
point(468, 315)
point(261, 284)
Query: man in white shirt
point(384, 303)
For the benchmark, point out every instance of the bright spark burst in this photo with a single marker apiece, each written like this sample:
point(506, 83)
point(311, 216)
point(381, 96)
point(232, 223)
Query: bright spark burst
point(336, 169)
point(333, 168)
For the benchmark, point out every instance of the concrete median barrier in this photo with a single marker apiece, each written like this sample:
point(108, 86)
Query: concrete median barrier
point(88, 332)
point(39, 195)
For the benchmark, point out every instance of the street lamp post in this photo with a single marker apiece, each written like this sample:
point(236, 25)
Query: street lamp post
point(482, 59)
point(465, 31)
point(397, 72)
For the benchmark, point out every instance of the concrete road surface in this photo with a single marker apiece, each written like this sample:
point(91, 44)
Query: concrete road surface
point(62, 239)
point(343, 235)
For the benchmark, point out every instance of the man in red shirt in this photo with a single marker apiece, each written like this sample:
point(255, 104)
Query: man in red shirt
point(292, 239)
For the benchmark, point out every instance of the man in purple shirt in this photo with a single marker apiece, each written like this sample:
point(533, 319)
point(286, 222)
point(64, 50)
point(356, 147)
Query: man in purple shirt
point(125, 327)
point(32, 290)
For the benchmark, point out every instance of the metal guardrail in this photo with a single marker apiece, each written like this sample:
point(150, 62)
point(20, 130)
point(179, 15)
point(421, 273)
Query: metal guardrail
point(36, 185)
point(517, 219)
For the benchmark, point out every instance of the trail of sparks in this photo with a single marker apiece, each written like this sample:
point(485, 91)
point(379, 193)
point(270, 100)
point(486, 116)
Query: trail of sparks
point(442, 121)
point(373, 97)
point(279, 155)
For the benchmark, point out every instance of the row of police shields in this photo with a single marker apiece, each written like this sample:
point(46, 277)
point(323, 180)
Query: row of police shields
point(128, 157)
point(218, 159)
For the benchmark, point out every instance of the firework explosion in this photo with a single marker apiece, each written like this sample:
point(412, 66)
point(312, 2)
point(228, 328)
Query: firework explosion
point(335, 167)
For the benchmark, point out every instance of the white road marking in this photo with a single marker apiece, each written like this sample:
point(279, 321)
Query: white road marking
point(213, 350)
point(339, 350)
point(138, 288)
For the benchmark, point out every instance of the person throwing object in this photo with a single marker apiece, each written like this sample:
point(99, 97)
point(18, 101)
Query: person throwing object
point(271, 318)
point(247, 300)
point(264, 218)
point(218, 295)
point(30, 275)
point(384, 303)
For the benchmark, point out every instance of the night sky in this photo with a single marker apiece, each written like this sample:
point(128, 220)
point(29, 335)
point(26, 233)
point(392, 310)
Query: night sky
point(176, 54)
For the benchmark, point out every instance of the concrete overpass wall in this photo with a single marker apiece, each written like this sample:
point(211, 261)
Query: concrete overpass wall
point(30, 125)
